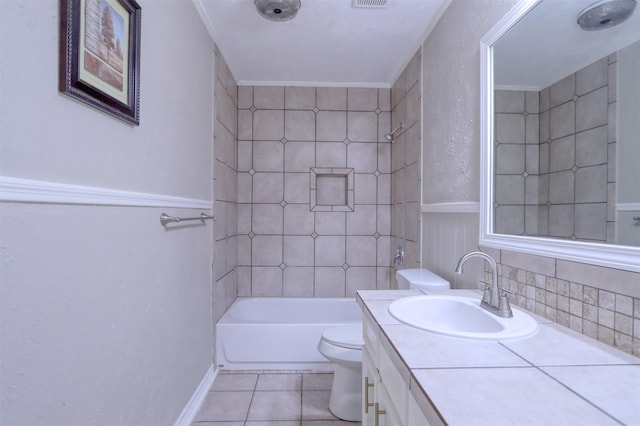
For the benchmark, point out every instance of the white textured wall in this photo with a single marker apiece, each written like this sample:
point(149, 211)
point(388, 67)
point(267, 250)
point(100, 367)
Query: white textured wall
point(105, 316)
point(451, 94)
point(451, 133)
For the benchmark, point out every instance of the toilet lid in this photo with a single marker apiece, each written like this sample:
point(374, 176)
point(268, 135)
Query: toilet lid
point(345, 336)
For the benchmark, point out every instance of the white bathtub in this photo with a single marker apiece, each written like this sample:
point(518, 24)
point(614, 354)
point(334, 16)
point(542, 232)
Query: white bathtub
point(264, 333)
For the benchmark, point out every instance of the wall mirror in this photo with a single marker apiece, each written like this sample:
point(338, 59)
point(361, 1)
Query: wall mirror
point(561, 133)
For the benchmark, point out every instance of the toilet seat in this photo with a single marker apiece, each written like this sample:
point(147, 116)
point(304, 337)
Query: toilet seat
point(345, 336)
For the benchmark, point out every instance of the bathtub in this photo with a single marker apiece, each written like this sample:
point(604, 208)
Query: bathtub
point(264, 333)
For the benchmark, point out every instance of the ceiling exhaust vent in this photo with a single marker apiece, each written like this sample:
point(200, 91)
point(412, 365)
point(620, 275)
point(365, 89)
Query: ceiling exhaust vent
point(370, 4)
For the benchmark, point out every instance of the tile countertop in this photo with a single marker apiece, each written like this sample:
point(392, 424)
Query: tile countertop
point(556, 377)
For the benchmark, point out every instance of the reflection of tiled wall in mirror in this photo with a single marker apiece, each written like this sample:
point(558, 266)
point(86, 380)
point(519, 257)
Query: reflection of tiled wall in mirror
point(555, 152)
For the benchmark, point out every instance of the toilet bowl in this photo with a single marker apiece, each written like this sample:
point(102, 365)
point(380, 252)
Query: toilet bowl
point(342, 345)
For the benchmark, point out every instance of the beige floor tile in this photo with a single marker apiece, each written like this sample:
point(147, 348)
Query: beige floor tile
point(225, 406)
point(317, 381)
point(279, 382)
point(275, 405)
point(329, 423)
point(275, 423)
point(315, 405)
point(217, 424)
point(235, 382)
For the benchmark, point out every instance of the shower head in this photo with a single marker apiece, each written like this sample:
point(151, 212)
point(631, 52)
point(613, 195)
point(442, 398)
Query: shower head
point(277, 10)
point(605, 14)
point(391, 137)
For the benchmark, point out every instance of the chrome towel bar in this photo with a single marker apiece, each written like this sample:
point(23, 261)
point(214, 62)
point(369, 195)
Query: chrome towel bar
point(165, 218)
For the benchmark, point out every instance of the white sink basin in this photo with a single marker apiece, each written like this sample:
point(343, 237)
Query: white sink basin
point(460, 317)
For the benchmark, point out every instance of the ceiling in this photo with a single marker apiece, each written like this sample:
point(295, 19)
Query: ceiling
point(547, 45)
point(329, 42)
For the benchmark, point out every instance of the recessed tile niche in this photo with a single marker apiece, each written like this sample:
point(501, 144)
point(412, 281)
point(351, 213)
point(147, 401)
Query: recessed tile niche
point(331, 190)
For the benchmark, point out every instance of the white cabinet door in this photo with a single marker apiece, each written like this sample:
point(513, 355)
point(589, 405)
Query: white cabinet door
point(369, 382)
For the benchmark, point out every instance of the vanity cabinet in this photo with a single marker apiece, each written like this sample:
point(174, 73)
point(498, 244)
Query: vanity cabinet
point(386, 397)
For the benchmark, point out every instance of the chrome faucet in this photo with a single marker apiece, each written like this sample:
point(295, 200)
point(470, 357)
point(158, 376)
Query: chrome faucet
point(398, 259)
point(495, 299)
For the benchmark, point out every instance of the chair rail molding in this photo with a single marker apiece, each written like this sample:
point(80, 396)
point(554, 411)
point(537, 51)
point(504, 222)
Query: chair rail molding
point(44, 192)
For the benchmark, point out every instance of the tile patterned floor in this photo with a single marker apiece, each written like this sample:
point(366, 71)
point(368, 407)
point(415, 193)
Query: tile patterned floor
point(269, 399)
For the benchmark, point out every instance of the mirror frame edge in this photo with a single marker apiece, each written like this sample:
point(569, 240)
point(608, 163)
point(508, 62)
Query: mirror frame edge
point(611, 256)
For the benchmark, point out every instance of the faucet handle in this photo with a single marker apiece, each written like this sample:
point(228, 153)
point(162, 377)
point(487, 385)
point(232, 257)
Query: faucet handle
point(503, 304)
point(504, 292)
point(486, 297)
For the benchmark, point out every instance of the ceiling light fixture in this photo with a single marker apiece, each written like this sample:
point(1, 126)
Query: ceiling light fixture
point(605, 14)
point(277, 10)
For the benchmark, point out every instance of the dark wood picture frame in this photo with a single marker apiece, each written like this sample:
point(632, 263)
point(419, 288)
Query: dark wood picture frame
point(100, 55)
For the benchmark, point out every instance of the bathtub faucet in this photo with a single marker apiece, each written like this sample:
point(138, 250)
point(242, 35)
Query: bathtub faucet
point(495, 299)
point(398, 259)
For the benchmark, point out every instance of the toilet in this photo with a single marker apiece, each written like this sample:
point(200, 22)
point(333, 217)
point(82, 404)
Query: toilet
point(342, 345)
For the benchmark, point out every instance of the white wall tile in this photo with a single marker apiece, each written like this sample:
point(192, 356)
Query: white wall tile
point(361, 251)
point(298, 282)
point(298, 220)
point(298, 250)
point(299, 156)
point(362, 99)
point(362, 221)
point(592, 77)
point(267, 188)
point(331, 154)
point(299, 98)
point(592, 110)
point(362, 126)
point(329, 282)
point(268, 156)
point(562, 91)
point(300, 125)
point(360, 278)
point(362, 157)
point(331, 126)
point(366, 188)
point(330, 223)
point(267, 219)
point(268, 125)
point(266, 250)
point(296, 188)
point(266, 281)
point(268, 97)
point(591, 184)
point(562, 120)
point(330, 251)
point(331, 98)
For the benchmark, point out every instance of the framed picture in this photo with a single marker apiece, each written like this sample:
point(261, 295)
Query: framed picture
point(100, 55)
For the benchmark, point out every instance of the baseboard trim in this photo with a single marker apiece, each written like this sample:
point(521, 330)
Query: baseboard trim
point(191, 409)
point(460, 207)
point(44, 192)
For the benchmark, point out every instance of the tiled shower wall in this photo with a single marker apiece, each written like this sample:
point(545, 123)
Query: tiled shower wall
point(406, 96)
point(558, 179)
point(285, 248)
point(225, 287)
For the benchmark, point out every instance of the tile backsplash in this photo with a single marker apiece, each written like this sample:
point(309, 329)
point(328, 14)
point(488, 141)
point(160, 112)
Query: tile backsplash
point(290, 242)
point(599, 302)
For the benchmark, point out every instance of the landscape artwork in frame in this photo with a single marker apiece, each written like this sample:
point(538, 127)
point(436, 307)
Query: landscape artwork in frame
point(100, 55)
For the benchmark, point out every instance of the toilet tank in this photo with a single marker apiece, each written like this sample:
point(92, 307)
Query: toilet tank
point(420, 279)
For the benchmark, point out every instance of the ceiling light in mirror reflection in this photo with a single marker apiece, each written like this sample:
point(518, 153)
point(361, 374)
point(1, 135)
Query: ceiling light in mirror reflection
point(566, 144)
